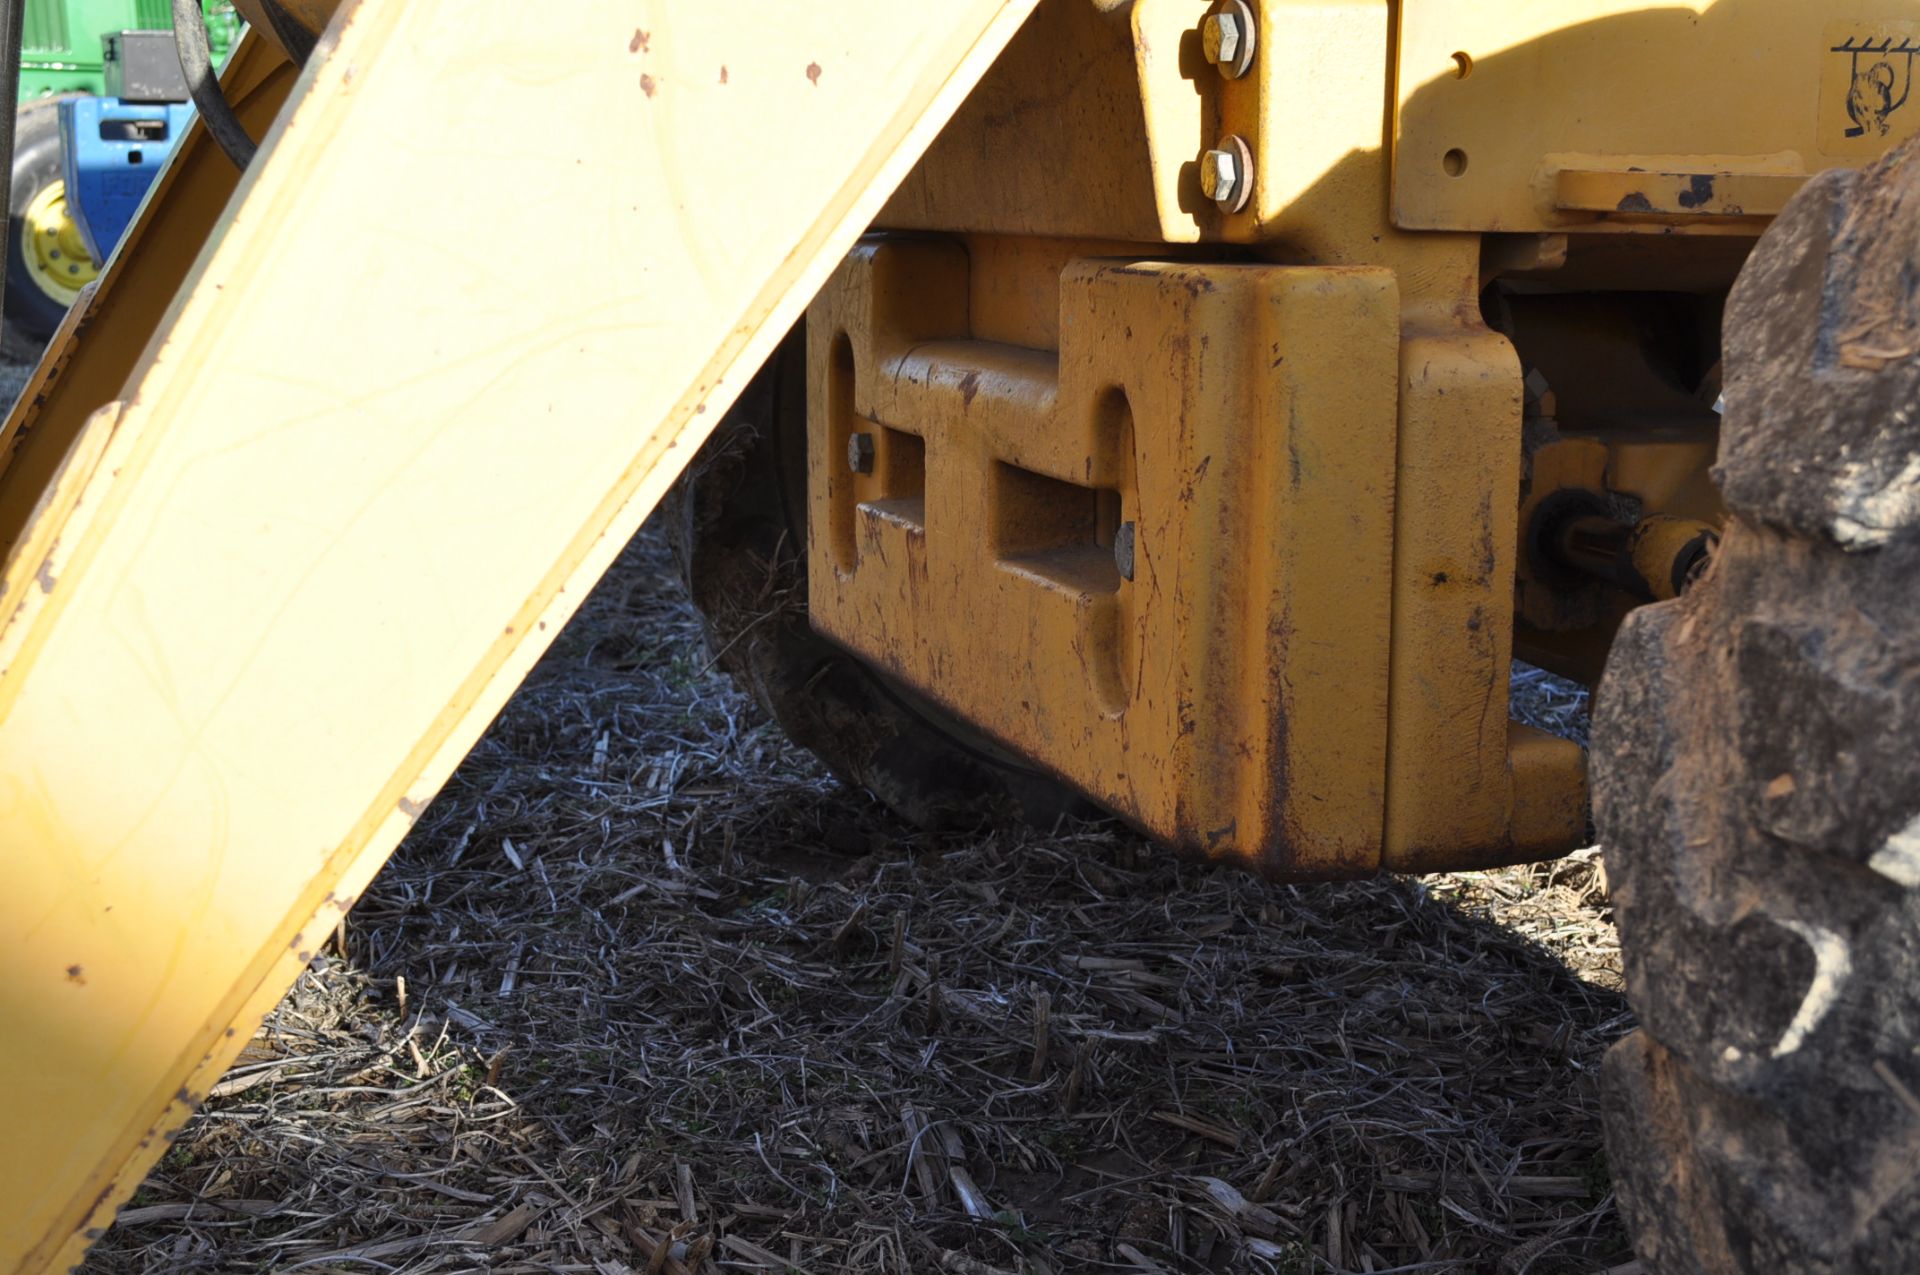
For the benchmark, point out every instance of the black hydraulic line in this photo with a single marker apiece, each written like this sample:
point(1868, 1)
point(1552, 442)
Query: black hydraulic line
point(196, 61)
point(11, 14)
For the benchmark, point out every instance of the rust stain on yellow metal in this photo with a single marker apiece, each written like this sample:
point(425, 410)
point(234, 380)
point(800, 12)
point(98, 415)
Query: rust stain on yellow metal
point(272, 599)
point(1497, 101)
point(1236, 423)
point(1450, 785)
point(1312, 114)
point(1053, 144)
point(1628, 193)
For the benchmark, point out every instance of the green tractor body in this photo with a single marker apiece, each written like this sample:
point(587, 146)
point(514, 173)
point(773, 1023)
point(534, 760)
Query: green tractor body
point(60, 39)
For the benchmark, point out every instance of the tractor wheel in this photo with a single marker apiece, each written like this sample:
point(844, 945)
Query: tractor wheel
point(1757, 754)
point(737, 524)
point(47, 260)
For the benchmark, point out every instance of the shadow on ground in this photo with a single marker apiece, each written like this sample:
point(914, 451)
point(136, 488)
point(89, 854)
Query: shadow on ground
point(647, 991)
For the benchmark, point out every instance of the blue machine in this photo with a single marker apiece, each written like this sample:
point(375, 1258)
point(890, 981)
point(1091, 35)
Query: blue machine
point(112, 152)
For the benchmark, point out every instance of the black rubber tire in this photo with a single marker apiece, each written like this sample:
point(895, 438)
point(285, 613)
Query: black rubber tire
point(1756, 749)
point(737, 524)
point(31, 315)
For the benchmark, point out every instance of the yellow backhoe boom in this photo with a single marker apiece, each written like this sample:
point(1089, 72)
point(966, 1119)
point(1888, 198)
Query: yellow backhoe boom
point(361, 474)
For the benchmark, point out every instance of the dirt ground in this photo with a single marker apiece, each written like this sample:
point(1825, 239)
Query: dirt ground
point(647, 991)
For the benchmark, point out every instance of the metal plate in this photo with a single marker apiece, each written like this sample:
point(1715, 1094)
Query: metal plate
point(1497, 101)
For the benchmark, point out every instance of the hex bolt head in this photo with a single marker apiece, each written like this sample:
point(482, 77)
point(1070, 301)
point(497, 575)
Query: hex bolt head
point(860, 453)
point(1220, 38)
point(1219, 175)
point(1538, 395)
point(1123, 550)
point(1227, 37)
point(1226, 173)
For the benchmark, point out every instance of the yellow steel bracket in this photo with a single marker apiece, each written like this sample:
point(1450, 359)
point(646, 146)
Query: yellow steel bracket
point(1687, 116)
point(273, 594)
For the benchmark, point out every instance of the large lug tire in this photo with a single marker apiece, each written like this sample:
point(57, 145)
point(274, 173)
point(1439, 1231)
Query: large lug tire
point(737, 524)
point(1757, 783)
point(32, 311)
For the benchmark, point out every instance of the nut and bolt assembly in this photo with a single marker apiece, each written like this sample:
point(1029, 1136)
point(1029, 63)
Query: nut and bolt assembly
point(860, 453)
point(1227, 40)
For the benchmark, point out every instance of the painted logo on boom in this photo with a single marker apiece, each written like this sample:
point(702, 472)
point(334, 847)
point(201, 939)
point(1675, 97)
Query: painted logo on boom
point(1866, 87)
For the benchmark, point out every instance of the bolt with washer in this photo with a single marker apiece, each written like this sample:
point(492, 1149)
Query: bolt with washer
point(1219, 175)
point(1226, 174)
point(1226, 38)
point(860, 453)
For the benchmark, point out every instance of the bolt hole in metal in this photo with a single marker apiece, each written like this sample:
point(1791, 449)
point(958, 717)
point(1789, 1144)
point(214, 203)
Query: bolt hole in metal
point(1455, 162)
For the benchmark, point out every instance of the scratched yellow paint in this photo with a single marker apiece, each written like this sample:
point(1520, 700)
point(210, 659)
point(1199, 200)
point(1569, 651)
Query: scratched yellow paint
point(1352, 717)
point(1230, 697)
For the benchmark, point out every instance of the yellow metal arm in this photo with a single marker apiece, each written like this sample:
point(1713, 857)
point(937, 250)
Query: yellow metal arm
point(361, 476)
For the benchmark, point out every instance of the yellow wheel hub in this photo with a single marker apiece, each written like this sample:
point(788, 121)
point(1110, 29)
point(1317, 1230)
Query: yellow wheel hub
point(50, 242)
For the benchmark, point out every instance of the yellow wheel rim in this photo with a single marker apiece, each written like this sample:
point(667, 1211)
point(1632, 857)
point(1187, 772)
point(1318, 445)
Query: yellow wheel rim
point(50, 242)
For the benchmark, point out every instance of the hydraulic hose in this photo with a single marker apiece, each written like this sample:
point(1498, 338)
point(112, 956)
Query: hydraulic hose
point(196, 61)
